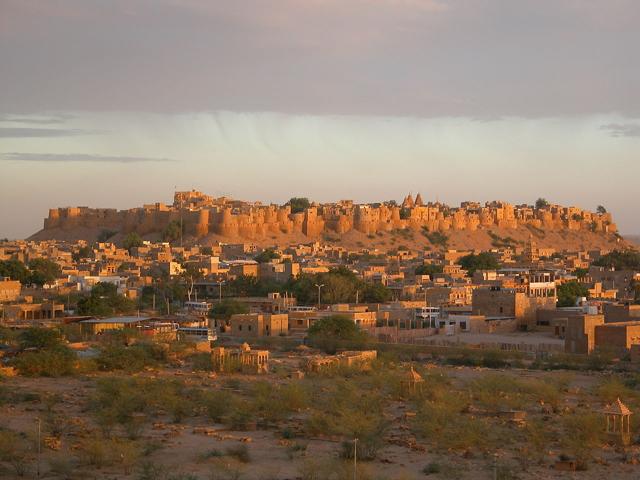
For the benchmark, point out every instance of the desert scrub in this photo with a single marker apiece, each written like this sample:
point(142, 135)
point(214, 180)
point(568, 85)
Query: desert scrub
point(15, 451)
point(129, 402)
point(54, 361)
point(501, 392)
point(131, 358)
point(239, 452)
point(446, 427)
point(583, 431)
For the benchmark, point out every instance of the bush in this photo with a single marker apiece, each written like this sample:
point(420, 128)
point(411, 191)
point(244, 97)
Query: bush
point(14, 451)
point(239, 452)
point(131, 359)
point(55, 362)
point(39, 338)
point(218, 404)
point(444, 425)
point(329, 332)
point(583, 432)
point(432, 467)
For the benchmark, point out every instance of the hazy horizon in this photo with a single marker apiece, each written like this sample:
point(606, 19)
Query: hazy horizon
point(114, 105)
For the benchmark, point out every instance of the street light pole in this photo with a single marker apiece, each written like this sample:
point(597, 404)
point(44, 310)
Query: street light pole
point(355, 459)
point(319, 287)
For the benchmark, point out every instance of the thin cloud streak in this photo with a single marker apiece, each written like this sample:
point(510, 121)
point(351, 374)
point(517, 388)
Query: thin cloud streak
point(36, 120)
point(26, 132)
point(622, 130)
point(76, 157)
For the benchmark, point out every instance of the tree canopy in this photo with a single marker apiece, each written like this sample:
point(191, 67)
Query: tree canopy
point(266, 256)
point(428, 269)
point(104, 300)
point(482, 261)
point(299, 204)
point(228, 307)
point(172, 232)
point(541, 203)
point(43, 271)
point(39, 338)
point(569, 292)
point(330, 332)
point(131, 241)
point(620, 260)
point(15, 270)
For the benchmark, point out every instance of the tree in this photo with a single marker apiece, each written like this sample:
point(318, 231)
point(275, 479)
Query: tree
point(266, 256)
point(482, 261)
point(43, 271)
point(104, 300)
point(327, 333)
point(131, 241)
point(581, 272)
point(635, 289)
point(15, 270)
point(620, 260)
point(39, 338)
point(228, 307)
point(569, 292)
point(376, 293)
point(601, 210)
point(191, 273)
point(541, 203)
point(82, 252)
point(428, 269)
point(337, 327)
point(298, 204)
point(44, 354)
point(173, 232)
point(105, 235)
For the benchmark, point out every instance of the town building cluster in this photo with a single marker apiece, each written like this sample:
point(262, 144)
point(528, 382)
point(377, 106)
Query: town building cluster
point(512, 306)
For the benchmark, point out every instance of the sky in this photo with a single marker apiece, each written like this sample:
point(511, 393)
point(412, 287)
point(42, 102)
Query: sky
point(118, 103)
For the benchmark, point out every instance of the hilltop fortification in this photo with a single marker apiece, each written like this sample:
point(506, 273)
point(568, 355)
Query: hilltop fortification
point(203, 216)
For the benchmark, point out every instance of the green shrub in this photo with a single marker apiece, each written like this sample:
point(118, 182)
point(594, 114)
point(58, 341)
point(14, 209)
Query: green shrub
point(54, 362)
point(239, 452)
point(131, 359)
point(431, 468)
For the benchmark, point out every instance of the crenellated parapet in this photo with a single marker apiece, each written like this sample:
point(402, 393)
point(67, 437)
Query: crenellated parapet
point(202, 215)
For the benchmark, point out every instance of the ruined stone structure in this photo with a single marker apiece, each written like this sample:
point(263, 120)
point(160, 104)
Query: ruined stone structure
point(202, 215)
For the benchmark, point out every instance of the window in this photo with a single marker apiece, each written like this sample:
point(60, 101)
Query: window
point(249, 327)
point(240, 327)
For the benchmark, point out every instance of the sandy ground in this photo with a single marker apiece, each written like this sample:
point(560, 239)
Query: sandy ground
point(183, 449)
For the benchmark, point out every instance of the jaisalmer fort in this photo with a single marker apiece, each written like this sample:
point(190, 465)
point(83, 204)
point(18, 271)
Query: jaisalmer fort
point(203, 215)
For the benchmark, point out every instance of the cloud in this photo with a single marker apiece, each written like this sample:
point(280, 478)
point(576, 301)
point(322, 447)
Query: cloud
point(76, 157)
point(26, 132)
point(622, 129)
point(427, 58)
point(36, 119)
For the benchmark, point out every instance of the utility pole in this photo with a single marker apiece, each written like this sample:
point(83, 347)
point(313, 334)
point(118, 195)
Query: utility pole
point(39, 446)
point(357, 295)
point(355, 459)
point(319, 287)
point(220, 283)
point(154, 301)
point(168, 311)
